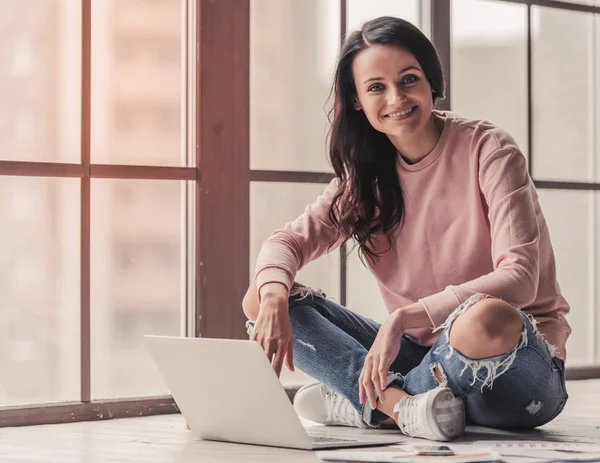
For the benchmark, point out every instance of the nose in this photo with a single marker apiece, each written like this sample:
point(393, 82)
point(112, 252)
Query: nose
point(395, 96)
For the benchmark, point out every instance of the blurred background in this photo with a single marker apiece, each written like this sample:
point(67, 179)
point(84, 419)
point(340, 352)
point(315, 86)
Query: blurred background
point(138, 244)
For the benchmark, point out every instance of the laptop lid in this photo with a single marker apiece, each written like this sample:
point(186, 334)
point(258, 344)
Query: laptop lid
point(228, 391)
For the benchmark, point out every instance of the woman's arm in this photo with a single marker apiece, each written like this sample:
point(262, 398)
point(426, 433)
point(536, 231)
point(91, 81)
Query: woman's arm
point(305, 239)
point(385, 348)
point(280, 258)
point(512, 212)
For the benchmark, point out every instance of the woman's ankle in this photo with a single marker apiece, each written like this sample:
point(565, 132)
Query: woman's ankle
point(391, 396)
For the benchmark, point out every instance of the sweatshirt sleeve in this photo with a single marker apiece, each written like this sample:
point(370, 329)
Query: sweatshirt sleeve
point(305, 239)
point(509, 193)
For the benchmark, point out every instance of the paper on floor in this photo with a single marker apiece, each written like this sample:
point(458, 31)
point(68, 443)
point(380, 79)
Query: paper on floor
point(545, 451)
point(532, 445)
point(410, 455)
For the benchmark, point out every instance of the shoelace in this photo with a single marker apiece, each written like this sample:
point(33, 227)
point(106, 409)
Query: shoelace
point(340, 409)
point(407, 415)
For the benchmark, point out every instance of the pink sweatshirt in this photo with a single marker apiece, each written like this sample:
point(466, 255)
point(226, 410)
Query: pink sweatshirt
point(472, 224)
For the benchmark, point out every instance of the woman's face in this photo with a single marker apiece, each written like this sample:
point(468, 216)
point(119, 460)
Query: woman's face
point(392, 90)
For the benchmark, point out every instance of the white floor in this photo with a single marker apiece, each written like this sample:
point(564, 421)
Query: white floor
point(165, 438)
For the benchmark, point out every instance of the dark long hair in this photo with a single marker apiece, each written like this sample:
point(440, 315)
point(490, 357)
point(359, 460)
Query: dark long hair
point(369, 200)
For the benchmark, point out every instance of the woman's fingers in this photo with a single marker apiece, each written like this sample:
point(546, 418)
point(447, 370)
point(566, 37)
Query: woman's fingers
point(373, 380)
point(362, 392)
point(269, 349)
point(289, 356)
point(278, 358)
point(278, 349)
point(370, 393)
point(379, 378)
point(367, 382)
point(384, 368)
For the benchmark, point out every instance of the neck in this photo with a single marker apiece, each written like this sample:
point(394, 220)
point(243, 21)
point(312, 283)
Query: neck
point(417, 147)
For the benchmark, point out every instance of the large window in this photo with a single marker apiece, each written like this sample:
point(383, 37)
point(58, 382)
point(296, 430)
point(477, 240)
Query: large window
point(95, 238)
point(535, 71)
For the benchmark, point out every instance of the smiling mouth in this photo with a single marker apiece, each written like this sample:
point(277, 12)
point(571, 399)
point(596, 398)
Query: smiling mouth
point(401, 114)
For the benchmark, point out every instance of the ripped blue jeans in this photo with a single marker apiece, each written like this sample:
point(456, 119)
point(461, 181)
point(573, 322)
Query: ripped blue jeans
point(521, 389)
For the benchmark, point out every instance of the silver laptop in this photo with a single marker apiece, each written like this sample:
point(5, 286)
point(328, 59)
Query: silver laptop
point(228, 391)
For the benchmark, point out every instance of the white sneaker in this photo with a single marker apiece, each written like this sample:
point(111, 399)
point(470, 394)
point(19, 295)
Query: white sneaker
point(318, 402)
point(434, 415)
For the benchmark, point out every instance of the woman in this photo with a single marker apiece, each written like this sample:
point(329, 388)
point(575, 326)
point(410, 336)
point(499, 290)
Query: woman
point(447, 218)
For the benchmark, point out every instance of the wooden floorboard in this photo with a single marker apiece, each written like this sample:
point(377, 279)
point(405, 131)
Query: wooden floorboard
point(165, 439)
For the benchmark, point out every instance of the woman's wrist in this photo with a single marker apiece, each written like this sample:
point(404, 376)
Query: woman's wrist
point(411, 316)
point(273, 293)
point(398, 322)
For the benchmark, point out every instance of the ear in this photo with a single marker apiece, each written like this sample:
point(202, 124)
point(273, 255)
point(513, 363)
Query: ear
point(356, 103)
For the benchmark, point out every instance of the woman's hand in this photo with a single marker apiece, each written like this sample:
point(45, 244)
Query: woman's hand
point(381, 355)
point(272, 329)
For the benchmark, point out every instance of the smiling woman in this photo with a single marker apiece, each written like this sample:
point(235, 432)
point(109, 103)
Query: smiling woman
point(446, 217)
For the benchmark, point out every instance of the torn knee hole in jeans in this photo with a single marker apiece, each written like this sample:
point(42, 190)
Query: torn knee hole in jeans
point(493, 368)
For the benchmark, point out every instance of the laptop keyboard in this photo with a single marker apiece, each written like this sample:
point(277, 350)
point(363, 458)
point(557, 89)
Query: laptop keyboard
point(330, 439)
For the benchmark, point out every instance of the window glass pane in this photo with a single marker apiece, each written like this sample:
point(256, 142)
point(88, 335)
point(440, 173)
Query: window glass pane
point(359, 11)
point(362, 292)
point(568, 214)
point(137, 282)
point(39, 290)
point(562, 89)
point(489, 64)
point(293, 48)
point(40, 80)
point(136, 82)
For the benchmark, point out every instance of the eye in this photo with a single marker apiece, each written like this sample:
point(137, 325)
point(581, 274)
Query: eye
point(410, 79)
point(375, 88)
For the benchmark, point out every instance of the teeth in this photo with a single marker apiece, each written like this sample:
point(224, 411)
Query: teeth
point(404, 113)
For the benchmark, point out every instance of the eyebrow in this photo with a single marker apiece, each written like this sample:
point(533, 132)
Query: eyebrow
point(403, 70)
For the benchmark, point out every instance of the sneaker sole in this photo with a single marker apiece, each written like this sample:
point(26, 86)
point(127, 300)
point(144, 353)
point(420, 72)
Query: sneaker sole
point(448, 415)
